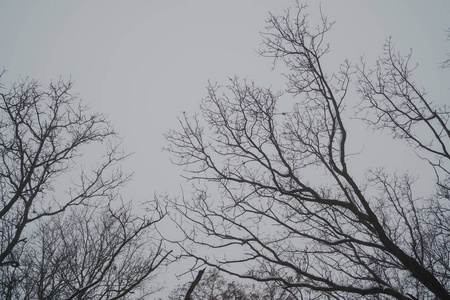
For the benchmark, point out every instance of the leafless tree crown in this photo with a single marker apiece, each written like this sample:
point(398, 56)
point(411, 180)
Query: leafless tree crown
point(333, 236)
point(79, 243)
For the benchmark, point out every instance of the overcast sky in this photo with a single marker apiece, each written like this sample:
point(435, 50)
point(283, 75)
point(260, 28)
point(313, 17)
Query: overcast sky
point(144, 62)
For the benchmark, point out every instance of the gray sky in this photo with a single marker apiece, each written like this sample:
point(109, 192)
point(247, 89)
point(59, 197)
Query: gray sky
point(144, 62)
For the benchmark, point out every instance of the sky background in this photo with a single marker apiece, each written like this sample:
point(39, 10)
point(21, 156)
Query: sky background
point(144, 62)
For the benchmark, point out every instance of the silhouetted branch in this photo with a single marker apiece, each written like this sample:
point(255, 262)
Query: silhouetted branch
point(194, 284)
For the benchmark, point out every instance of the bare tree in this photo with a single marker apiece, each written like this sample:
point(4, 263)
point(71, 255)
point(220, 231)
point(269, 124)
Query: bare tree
point(41, 134)
point(49, 249)
point(289, 209)
point(214, 286)
point(89, 253)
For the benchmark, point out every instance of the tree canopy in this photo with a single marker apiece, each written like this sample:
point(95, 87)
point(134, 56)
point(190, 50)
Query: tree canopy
point(276, 198)
point(83, 242)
